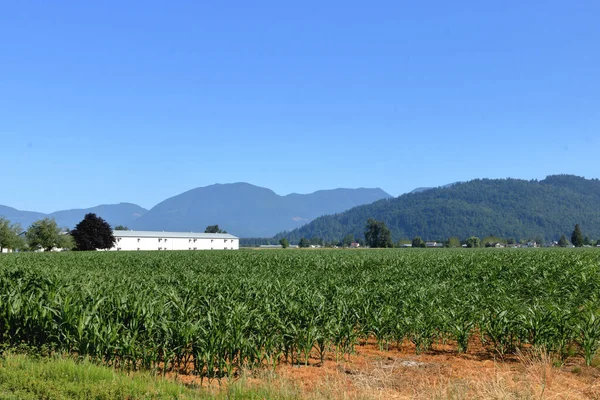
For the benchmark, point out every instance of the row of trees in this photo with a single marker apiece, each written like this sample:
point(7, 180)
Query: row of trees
point(377, 235)
point(41, 235)
point(91, 233)
point(577, 240)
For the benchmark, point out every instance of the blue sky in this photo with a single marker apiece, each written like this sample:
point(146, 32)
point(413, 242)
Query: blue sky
point(139, 101)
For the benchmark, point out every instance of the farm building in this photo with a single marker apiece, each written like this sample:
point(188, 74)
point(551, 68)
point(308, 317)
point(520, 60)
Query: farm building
point(154, 240)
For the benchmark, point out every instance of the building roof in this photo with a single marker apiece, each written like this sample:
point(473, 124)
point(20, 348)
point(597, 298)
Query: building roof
point(162, 234)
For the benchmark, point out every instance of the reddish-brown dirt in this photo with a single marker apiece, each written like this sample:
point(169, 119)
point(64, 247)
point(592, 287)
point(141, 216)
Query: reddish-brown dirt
point(442, 373)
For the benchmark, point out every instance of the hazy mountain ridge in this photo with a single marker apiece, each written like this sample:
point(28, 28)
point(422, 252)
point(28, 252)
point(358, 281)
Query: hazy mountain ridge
point(246, 210)
point(242, 209)
point(502, 207)
point(114, 214)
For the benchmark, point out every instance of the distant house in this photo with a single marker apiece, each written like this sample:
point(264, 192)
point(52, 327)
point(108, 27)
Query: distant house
point(406, 245)
point(354, 245)
point(433, 244)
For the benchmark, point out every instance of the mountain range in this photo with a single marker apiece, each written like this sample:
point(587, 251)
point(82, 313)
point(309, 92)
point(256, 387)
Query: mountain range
point(509, 208)
point(242, 209)
point(114, 214)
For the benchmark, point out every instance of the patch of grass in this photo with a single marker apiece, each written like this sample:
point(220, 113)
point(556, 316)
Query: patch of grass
point(25, 377)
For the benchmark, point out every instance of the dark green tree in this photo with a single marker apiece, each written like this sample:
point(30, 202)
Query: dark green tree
point(121, 228)
point(304, 243)
point(418, 242)
point(93, 233)
point(284, 243)
point(577, 237)
point(377, 234)
point(45, 234)
point(563, 242)
point(587, 241)
point(214, 229)
point(473, 242)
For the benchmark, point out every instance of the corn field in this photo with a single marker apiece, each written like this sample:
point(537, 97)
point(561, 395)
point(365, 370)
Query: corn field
point(215, 313)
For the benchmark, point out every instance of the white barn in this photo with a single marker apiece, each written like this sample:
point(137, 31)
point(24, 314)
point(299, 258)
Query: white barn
point(154, 240)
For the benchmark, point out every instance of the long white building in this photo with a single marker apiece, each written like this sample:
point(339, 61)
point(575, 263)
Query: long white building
point(153, 240)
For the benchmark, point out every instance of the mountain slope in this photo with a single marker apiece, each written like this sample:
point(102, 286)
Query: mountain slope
point(24, 218)
point(114, 214)
point(502, 207)
point(246, 210)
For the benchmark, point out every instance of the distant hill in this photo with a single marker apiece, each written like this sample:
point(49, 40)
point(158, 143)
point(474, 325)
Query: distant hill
point(509, 208)
point(246, 210)
point(114, 214)
point(25, 218)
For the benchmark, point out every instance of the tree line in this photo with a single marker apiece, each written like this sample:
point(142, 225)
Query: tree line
point(378, 235)
point(91, 233)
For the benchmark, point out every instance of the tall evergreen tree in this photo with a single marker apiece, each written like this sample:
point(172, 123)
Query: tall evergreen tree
point(563, 242)
point(377, 234)
point(577, 237)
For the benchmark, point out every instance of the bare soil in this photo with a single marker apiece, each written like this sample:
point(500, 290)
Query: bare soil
point(442, 373)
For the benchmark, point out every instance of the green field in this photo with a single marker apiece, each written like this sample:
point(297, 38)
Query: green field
point(215, 313)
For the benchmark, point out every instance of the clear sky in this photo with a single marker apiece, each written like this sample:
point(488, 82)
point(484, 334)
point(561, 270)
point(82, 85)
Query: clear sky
point(139, 101)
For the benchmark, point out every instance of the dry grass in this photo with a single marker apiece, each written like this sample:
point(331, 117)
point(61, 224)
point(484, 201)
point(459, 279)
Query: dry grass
point(440, 374)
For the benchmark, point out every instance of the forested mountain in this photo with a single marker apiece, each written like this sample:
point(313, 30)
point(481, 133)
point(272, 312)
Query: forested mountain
point(509, 208)
point(246, 210)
